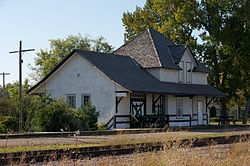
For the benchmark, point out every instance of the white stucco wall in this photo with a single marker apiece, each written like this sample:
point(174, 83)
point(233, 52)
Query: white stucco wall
point(199, 78)
point(79, 76)
point(124, 106)
point(165, 75)
point(188, 108)
point(169, 75)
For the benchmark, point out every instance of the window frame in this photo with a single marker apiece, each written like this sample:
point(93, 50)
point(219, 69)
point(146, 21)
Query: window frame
point(72, 105)
point(189, 73)
point(83, 103)
point(181, 72)
point(179, 105)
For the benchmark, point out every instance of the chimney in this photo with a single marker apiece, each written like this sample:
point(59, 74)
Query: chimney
point(125, 38)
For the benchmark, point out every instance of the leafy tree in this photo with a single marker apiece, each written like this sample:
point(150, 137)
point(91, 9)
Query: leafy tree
point(8, 113)
point(59, 48)
point(177, 20)
point(88, 117)
point(222, 27)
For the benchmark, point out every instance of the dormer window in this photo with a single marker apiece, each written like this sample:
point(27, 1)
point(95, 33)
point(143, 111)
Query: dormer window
point(189, 72)
point(181, 72)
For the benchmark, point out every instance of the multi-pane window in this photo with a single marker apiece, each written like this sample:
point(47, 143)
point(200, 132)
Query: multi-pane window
point(71, 100)
point(85, 98)
point(181, 72)
point(179, 107)
point(188, 72)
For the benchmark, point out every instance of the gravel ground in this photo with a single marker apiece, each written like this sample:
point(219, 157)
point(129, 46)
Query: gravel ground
point(117, 139)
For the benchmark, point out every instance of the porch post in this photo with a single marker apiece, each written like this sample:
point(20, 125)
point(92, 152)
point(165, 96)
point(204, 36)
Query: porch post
point(117, 101)
point(207, 103)
point(153, 107)
point(206, 110)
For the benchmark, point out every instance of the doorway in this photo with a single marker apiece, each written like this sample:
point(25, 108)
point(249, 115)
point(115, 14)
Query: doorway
point(200, 112)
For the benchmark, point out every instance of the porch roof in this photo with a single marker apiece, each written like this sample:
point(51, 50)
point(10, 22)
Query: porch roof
point(180, 89)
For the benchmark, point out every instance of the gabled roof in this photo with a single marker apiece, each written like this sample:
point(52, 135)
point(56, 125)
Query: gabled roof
point(125, 71)
point(177, 52)
point(152, 49)
point(201, 68)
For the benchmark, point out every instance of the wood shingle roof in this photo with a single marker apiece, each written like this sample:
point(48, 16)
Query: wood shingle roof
point(153, 50)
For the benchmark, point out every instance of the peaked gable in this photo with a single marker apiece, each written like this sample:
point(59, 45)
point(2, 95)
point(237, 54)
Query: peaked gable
point(151, 49)
point(142, 50)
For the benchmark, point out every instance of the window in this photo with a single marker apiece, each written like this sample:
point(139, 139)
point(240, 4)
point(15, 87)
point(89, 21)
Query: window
point(189, 72)
point(71, 100)
point(179, 107)
point(181, 72)
point(85, 98)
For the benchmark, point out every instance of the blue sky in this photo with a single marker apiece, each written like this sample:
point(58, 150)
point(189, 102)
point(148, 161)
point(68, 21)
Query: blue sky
point(36, 21)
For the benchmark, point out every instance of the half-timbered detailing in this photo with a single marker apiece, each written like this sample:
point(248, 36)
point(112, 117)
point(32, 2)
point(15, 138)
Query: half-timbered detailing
point(158, 106)
point(138, 104)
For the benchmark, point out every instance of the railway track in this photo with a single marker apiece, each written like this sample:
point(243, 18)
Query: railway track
point(90, 152)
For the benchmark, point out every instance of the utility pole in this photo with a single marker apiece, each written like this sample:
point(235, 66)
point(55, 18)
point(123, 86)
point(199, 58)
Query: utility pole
point(4, 74)
point(20, 51)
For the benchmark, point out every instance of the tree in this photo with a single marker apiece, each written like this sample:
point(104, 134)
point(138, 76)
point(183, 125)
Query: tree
point(59, 48)
point(213, 20)
point(177, 20)
point(88, 117)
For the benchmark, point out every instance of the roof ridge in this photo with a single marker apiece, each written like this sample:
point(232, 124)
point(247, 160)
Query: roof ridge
point(153, 45)
point(171, 56)
point(109, 54)
point(126, 43)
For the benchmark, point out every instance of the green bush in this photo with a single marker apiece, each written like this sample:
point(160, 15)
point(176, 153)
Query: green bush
point(88, 117)
point(54, 116)
point(8, 124)
point(214, 120)
point(101, 126)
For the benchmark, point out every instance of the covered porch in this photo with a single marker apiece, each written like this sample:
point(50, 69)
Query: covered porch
point(172, 104)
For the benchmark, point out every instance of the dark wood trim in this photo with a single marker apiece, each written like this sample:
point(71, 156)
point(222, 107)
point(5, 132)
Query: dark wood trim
point(143, 100)
point(145, 104)
point(117, 101)
point(122, 91)
point(114, 122)
point(153, 98)
point(161, 104)
point(209, 100)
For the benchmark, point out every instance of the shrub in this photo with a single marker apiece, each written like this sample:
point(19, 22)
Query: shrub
point(54, 116)
point(88, 117)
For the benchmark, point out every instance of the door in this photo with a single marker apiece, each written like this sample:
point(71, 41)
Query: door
point(200, 112)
